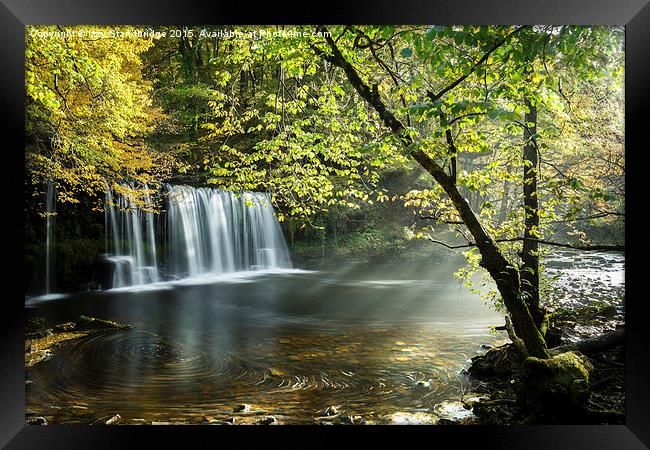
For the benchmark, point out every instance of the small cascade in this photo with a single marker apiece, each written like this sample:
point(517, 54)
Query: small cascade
point(133, 256)
point(212, 232)
point(50, 223)
point(205, 231)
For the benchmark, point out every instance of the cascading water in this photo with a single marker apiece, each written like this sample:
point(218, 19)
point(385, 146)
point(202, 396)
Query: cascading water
point(134, 258)
point(207, 232)
point(50, 210)
point(212, 232)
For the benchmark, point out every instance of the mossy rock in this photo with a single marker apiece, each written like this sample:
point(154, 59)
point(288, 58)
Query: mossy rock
point(558, 385)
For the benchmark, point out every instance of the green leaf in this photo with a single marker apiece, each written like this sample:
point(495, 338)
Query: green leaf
point(420, 108)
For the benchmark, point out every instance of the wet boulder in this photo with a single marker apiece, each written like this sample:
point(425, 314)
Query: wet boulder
point(37, 421)
point(107, 269)
point(352, 420)
point(331, 411)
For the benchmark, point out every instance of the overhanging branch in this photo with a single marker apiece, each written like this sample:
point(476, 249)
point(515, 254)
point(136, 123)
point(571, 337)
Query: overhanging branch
point(543, 242)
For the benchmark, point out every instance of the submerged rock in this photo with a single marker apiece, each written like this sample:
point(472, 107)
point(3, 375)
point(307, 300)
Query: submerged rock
point(270, 420)
point(92, 323)
point(37, 421)
point(608, 311)
point(67, 326)
point(243, 408)
point(39, 334)
point(39, 349)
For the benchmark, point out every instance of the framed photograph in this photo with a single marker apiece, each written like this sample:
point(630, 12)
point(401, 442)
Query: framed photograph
point(379, 218)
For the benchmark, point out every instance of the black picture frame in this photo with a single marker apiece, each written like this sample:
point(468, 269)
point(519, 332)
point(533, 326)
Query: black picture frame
point(634, 14)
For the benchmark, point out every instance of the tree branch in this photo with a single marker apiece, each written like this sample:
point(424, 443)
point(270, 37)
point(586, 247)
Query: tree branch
point(516, 341)
point(433, 97)
point(595, 216)
point(594, 345)
point(540, 241)
point(450, 222)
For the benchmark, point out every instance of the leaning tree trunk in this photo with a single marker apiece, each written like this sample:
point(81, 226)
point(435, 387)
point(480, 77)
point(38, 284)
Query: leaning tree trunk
point(504, 274)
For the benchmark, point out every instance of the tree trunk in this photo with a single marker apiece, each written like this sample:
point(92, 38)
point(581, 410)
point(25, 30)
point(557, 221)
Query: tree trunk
point(530, 250)
point(504, 274)
point(503, 212)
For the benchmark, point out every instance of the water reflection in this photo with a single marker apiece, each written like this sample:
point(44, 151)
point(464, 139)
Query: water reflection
point(382, 342)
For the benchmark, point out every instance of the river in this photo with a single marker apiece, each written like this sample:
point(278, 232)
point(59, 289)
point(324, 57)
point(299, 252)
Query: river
point(387, 342)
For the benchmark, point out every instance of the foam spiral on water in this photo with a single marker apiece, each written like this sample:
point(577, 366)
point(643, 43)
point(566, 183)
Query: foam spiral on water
point(137, 371)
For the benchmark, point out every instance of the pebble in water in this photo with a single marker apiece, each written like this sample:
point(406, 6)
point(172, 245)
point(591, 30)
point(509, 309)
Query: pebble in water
point(243, 408)
point(37, 421)
point(331, 411)
point(268, 421)
point(113, 419)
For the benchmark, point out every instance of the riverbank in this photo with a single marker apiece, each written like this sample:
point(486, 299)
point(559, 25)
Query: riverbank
point(498, 379)
point(587, 300)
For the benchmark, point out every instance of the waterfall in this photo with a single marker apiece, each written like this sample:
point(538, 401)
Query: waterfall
point(133, 257)
point(212, 232)
point(206, 231)
point(50, 222)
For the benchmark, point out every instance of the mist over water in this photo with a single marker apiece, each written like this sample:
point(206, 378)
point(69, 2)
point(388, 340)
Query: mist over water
point(373, 339)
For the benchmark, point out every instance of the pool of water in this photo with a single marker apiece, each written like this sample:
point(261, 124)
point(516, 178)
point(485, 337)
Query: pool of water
point(387, 342)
